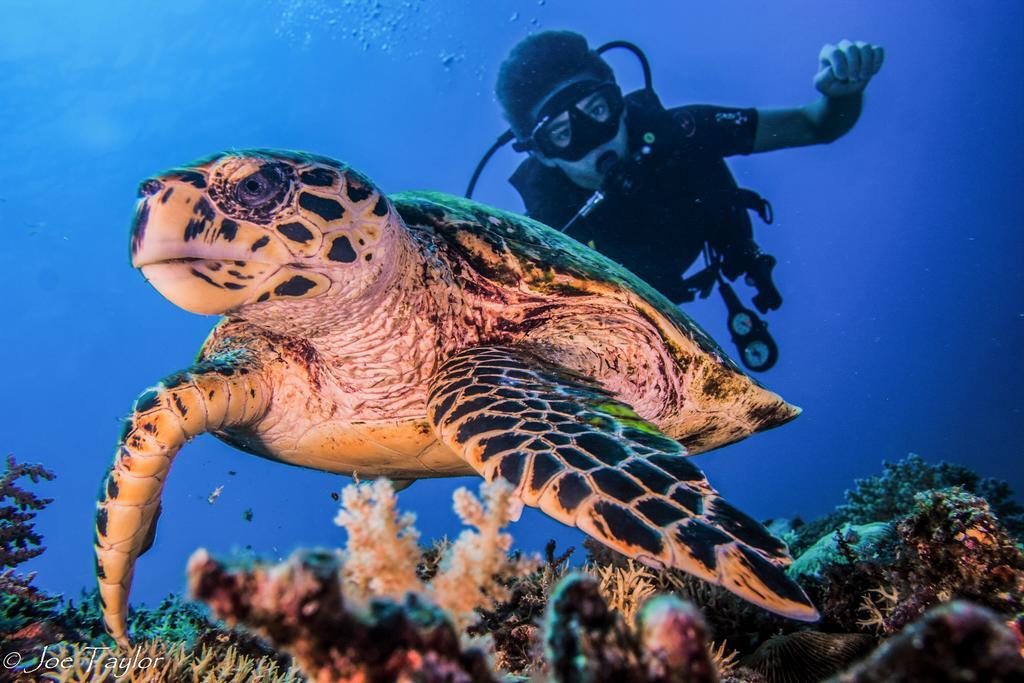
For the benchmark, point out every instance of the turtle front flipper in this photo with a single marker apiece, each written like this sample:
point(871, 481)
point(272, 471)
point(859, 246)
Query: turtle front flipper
point(572, 449)
point(214, 394)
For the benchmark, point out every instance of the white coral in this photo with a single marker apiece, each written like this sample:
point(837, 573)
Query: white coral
point(382, 551)
point(625, 588)
point(469, 572)
point(383, 545)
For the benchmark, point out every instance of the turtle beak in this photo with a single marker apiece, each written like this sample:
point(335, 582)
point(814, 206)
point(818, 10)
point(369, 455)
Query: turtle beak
point(178, 221)
point(196, 257)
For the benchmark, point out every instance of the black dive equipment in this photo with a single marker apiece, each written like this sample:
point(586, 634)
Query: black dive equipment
point(508, 136)
point(578, 118)
point(757, 349)
point(587, 129)
point(749, 333)
point(621, 178)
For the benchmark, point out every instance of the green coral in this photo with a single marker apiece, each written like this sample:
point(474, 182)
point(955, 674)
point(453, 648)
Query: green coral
point(867, 541)
point(892, 494)
point(53, 619)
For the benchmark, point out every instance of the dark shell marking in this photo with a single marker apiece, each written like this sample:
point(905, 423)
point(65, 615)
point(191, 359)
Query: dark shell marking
point(594, 463)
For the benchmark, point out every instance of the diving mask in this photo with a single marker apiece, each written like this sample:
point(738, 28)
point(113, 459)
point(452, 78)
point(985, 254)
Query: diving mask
point(576, 119)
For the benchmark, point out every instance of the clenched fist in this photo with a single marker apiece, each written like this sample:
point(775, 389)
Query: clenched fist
point(847, 67)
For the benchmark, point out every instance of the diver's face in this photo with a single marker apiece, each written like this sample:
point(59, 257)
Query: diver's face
point(557, 132)
point(584, 171)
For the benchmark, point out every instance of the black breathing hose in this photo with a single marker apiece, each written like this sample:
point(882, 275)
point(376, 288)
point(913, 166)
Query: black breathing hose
point(644, 64)
point(502, 140)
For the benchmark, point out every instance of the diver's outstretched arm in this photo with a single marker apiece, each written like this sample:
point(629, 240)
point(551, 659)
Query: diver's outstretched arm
point(216, 393)
point(845, 70)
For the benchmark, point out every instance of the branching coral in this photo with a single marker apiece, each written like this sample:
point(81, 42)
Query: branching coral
point(430, 559)
point(512, 624)
point(469, 574)
point(383, 558)
point(19, 541)
point(724, 659)
point(725, 613)
point(382, 551)
point(878, 605)
point(625, 588)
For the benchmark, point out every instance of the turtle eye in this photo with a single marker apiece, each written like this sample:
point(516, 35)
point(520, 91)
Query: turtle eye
point(261, 187)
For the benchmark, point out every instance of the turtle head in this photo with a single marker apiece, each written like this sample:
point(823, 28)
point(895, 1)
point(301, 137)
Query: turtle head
point(258, 228)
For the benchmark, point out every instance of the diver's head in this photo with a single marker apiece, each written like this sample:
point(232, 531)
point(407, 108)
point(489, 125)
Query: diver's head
point(563, 105)
point(251, 229)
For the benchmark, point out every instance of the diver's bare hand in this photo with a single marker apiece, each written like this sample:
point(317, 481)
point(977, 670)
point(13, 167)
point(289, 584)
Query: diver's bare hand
point(847, 68)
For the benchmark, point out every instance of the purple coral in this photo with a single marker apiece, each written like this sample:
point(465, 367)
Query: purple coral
point(298, 605)
point(675, 641)
point(589, 643)
point(953, 642)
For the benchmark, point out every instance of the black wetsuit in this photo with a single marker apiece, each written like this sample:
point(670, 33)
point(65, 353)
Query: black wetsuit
point(686, 195)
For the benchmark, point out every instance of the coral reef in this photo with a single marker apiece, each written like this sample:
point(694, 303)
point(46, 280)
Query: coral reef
point(192, 647)
point(625, 588)
point(386, 609)
point(381, 560)
point(27, 625)
point(468, 576)
point(383, 557)
point(600, 626)
point(514, 624)
point(950, 545)
point(890, 495)
point(953, 642)
point(866, 541)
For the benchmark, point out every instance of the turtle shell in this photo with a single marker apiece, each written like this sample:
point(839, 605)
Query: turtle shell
point(517, 252)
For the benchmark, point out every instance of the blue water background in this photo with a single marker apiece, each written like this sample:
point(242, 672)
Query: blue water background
point(900, 246)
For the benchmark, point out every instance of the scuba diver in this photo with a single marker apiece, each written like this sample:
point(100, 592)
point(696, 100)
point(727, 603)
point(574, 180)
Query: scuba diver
point(648, 186)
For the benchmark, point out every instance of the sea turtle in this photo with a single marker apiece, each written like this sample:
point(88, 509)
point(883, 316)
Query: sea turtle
point(422, 335)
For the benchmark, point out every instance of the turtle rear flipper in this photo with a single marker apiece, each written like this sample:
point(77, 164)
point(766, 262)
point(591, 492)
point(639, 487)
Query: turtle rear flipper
point(572, 449)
